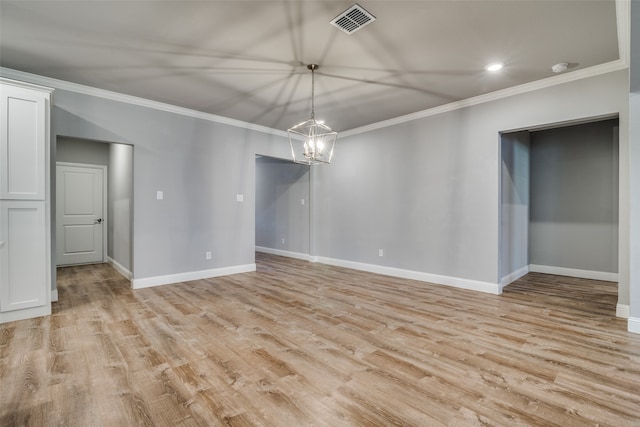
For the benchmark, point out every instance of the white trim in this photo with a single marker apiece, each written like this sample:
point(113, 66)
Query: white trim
point(119, 268)
point(623, 25)
point(573, 272)
point(456, 282)
point(26, 85)
point(148, 282)
point(494, 96)
point(54, 295)
point(289, 254)
point(633, 325)
point(512, 277)
point(134, 100)
point(622, 310)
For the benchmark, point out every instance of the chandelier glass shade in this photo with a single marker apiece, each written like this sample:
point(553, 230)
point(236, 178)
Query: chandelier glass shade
point(312, 141)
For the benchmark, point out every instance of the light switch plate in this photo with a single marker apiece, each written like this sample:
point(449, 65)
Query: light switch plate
point(159, 195)
point(239, 197)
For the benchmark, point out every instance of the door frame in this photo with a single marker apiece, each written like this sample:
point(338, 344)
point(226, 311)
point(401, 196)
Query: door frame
point(105, 219)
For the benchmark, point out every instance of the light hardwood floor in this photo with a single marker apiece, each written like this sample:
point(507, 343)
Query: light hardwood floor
point(298, 344)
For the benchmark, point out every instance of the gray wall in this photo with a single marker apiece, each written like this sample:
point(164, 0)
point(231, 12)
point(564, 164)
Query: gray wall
point(75, 150)
point(514, 236)
point(574, 197)
point(200, 166)
point(281, 188)
point(120, 201)
point(634, 159)
point(427, 191)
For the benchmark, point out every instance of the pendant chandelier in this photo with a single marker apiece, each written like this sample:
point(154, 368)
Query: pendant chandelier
point(312, 141)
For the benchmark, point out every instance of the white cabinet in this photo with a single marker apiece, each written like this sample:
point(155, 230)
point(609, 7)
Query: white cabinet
point(23, 122)
point(25, 250)
point(23, 256)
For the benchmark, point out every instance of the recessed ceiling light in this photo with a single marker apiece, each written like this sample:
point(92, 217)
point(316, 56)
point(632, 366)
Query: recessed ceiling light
point(494, 67)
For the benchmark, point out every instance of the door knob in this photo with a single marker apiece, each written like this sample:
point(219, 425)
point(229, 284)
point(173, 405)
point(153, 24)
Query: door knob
point(98, 221)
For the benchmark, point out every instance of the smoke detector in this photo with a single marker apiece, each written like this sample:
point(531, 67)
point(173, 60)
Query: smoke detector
point(352, 19)
point(560, 67)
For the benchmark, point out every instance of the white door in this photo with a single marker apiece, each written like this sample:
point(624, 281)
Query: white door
point(80, 219)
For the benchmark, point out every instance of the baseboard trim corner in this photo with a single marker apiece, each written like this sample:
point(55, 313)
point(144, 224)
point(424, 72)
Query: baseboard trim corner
point(622, 311)
point(148, 282)
point(54, 295)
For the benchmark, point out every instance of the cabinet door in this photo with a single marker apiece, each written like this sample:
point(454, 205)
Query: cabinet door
point(23, 127)
point(23, 255)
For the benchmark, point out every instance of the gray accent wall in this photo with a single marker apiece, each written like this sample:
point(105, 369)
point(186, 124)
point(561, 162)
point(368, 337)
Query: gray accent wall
point(574, 197)
point(200, 165)
point(515, 182)
point(282, 205)
point(427, 191)
point(634, 159)
point(75, 150)
point(120, 202)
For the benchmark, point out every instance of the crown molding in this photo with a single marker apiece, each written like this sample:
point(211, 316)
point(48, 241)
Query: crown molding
point(26, 85)
point(134, 100)
point(623, 24)
point(494, 96)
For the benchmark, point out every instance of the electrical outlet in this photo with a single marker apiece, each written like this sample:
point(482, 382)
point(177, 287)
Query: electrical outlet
point(239, 197)
point(159, 195)
point(302, 201)
point(207, 255)
point(380, 252)
point(283, 240)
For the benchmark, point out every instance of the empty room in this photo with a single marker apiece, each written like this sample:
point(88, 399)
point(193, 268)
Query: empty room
point(320, 213)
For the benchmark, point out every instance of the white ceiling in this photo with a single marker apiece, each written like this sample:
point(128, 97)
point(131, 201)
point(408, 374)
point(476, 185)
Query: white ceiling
point(246, 59)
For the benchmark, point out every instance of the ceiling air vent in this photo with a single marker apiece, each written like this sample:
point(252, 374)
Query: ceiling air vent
point(352, 19)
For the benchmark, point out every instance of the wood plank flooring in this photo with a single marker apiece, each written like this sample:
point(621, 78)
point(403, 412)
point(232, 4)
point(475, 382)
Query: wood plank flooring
point(300, 344)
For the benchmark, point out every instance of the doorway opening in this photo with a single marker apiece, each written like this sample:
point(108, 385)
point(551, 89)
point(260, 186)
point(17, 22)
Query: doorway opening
point(282, 207)
point(83, 157)
point(559, 201)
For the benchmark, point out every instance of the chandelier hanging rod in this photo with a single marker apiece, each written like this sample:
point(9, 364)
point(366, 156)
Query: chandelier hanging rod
point(313, 68)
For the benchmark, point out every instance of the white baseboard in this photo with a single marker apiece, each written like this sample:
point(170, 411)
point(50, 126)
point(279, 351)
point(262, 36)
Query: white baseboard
point(119, 268)
point(148, 282)
point(512, 277)
point(474, 285)
point(572, 272)
point(54, 295)
point(622, 310)
point(633, 325)
point(272, 251)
